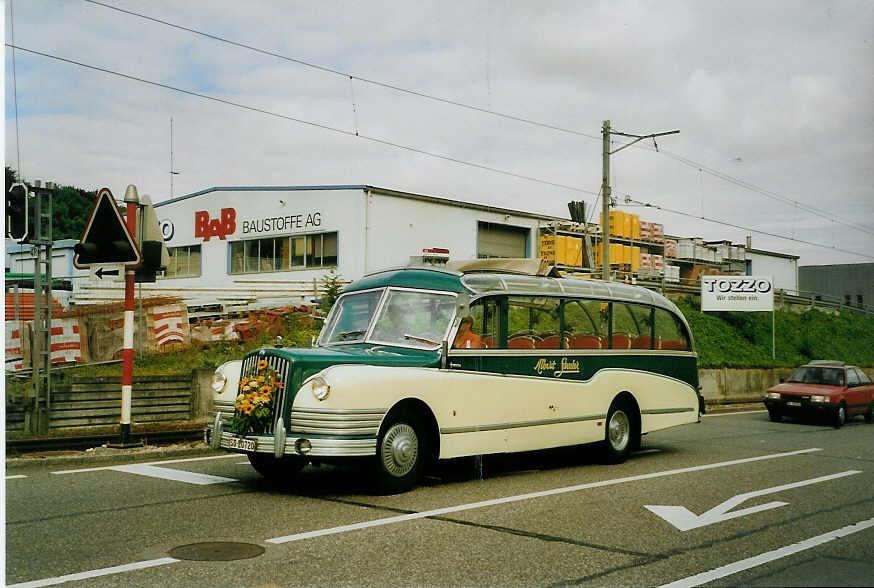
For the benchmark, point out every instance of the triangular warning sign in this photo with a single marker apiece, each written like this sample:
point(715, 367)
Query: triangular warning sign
point(106, 238)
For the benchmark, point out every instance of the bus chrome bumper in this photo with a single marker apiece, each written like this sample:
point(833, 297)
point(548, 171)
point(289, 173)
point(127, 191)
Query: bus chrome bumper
point(280, 444)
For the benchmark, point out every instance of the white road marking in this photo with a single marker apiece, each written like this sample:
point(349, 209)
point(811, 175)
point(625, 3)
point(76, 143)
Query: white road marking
point(97, 469)
point(171, 474)
point(763, 558)
point(722, 414)
point(16, 477)
point(528, 496)
point(140, 565)
point(683, 519)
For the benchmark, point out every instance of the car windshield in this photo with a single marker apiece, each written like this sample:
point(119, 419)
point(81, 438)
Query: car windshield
point(818, 375)
point(350, 318)
point(414, 319)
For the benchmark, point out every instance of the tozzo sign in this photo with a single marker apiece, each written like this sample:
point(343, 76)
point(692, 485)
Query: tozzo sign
point(739, 293)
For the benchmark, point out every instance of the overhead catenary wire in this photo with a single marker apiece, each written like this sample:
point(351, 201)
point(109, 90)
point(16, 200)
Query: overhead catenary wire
point(330, 70)
point(404, 147)
point(302, 121)
point(744, 228)
point(701, 167)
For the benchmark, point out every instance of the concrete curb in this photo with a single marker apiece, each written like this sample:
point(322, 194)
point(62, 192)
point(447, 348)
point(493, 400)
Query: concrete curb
point(104, 454)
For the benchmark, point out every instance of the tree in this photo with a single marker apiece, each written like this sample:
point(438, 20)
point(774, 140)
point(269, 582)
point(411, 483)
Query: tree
point(332, 285)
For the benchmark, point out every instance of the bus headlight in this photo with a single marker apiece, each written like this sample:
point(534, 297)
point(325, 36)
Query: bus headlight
point(320, 388)
point(219, 379)
point(772, 395)
point(821, 398)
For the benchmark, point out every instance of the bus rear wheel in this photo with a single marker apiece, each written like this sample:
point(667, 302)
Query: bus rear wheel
point(621, 434)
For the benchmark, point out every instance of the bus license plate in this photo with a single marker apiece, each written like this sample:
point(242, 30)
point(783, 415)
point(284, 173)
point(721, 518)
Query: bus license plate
point(793, 403)
point(244, 444)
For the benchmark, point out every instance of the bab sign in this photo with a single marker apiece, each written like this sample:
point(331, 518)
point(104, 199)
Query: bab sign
point(738, 293)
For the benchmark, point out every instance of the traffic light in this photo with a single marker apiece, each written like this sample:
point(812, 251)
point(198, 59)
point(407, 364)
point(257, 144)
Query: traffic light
point(16, 212)
point(151, 241)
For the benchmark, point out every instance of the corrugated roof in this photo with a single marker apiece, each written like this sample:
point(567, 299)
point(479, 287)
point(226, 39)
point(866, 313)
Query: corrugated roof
point(374, 189)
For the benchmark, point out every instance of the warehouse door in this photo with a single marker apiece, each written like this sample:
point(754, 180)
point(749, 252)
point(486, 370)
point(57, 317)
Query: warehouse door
point(494, 240)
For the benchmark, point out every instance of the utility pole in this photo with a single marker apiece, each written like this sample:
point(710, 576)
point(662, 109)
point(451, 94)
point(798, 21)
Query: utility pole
point(605, 185)
point(605, 201)
point(172, 171)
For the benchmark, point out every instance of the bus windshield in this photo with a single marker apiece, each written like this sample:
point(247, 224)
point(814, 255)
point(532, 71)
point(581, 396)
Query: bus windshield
point(350, 318)
point(409, 318)
point(414, 319)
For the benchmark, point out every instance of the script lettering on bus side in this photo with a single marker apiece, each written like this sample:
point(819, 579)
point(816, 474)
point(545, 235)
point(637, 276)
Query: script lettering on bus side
point(565, 366)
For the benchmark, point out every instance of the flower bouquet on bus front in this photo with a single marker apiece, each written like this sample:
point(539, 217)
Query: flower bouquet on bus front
point(253, 408)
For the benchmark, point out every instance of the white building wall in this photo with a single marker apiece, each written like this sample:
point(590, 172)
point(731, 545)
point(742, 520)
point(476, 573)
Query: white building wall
point(783, 270)
point(400, 228)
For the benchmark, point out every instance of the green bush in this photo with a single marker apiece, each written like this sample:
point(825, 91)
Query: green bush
point(743, 339)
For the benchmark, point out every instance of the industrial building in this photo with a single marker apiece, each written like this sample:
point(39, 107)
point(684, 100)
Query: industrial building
point(851, 284)
point(236, 246)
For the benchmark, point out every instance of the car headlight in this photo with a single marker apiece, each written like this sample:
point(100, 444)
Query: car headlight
point(320, 388)
point(819, 398)
point(219, 379)
point(772, 395)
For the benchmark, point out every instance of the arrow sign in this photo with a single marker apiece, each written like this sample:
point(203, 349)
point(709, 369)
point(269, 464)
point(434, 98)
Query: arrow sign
point(684, 519)
point(108, 272)
point(102, 272)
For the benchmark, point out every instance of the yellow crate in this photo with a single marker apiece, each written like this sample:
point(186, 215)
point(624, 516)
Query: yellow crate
point(635, 259)
point(574, 251)
point(635, 227)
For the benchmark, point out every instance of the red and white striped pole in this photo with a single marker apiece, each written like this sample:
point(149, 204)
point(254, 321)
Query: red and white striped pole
point(131, 197)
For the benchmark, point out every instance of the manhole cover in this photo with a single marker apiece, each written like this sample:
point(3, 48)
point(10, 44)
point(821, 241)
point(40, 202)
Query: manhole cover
point(216, 551)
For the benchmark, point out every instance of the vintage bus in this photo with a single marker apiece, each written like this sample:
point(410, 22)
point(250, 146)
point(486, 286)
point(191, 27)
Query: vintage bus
point(415, 365)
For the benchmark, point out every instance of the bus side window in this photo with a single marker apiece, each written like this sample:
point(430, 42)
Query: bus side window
point(533, 323)
point(479, 329)
point(670, 331)
point(585, 326)
point(624, 327)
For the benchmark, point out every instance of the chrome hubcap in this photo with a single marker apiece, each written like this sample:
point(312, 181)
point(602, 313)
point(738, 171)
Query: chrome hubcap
point(619, 431)
point(400, 449)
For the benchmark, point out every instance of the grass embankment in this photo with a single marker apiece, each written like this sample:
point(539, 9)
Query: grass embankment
point(722, 339)
point(743, 339)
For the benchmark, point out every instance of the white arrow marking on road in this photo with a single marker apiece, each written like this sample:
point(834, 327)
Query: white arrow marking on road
point(171, 474)
point(684, 519)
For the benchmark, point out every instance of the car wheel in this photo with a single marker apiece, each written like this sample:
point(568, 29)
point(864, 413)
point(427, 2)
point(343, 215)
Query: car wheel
point(840, 416)
point(620, 434)
point(400, 453)
point(869, 414)
point(775, 415)
point(280, 470)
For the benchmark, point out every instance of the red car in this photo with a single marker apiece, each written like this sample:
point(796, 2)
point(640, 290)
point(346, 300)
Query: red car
point(823, 388)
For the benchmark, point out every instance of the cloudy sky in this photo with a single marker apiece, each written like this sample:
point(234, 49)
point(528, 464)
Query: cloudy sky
point(774, 101)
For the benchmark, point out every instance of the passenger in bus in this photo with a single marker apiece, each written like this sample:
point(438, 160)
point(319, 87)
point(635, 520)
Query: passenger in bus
point(466, 338)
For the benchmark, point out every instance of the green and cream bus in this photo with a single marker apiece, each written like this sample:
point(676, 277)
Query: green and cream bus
point(420, 364)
